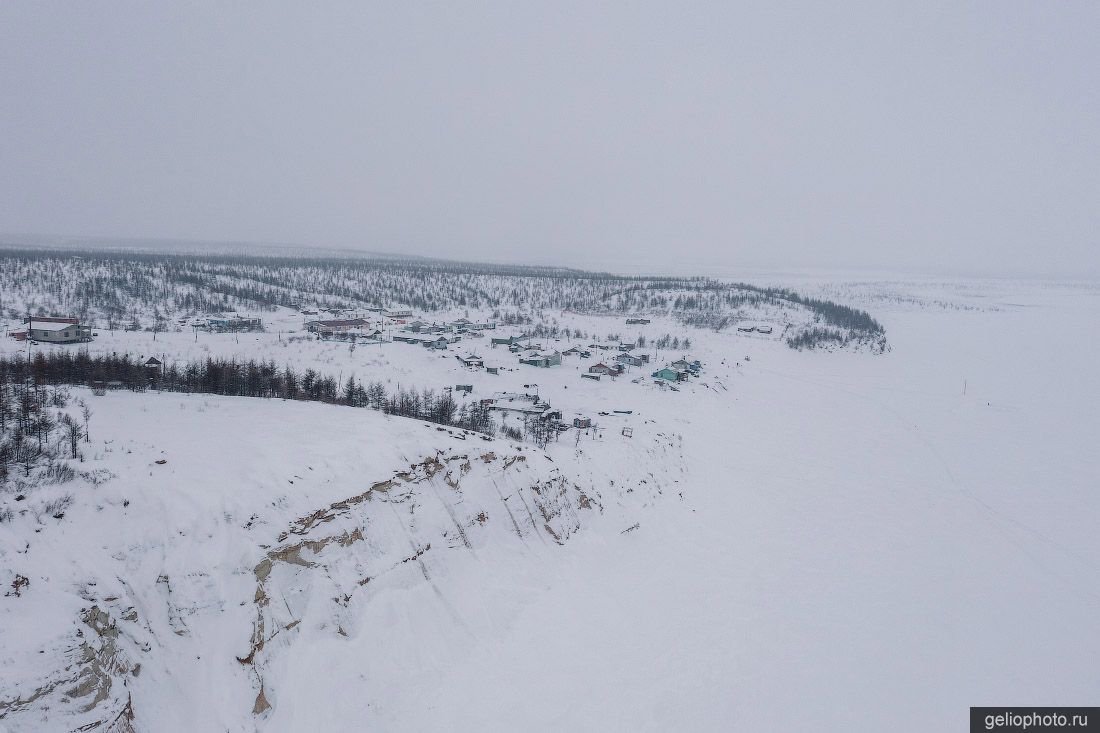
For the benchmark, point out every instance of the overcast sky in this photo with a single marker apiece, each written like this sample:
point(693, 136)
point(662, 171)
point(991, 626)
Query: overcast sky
point(955, 137)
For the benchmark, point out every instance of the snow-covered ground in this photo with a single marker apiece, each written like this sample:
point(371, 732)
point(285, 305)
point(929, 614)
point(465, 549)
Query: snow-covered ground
point(835, 541)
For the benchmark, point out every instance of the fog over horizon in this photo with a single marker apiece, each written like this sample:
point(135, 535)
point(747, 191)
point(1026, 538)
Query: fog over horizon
point(935, 139)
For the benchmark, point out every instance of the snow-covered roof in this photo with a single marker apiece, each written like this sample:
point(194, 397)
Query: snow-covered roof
point(47, 326)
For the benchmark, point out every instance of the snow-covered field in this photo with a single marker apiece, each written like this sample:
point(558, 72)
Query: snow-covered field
point(828, 541)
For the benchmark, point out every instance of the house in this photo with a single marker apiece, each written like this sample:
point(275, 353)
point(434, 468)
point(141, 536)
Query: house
point(632, 359)
point(591, 376)
point(746, 329)
point(153, 368)
point(493, 370)
point(514, 397)
point(233, 323)
point(687, 366)
point(471, 360)
point(637, 321)
point(582, 422)
point(53, 332)
point(670, 374)
point(541, 358)
point(336, 326)
point(508, 340)
point(601, 368)
point(437, 343)
point(464, 388)
point(523, 404)
point(54, 319)
point(397, 315)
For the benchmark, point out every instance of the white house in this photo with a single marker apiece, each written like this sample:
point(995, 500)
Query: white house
point(58, 333)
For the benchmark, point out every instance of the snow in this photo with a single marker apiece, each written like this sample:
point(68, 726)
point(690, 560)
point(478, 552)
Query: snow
point(50, 326)
point(829, 541)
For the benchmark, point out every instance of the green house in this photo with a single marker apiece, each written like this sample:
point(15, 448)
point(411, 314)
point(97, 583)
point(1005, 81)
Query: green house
point(672, 375)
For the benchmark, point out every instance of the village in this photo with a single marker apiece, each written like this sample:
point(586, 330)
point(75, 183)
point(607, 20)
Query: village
point(533, 384)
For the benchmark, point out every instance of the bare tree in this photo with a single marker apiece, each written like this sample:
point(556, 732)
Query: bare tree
point(86, 413)
point(72, 432)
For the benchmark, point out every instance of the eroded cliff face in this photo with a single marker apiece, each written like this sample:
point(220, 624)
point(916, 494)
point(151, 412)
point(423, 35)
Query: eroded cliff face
point(204, 610)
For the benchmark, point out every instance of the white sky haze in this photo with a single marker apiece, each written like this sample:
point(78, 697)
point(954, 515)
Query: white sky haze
point(931, 137)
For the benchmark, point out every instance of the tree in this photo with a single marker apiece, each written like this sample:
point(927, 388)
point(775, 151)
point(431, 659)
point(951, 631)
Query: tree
point(72, 431)
point(376, 395)
point(351, 392)
point(86, 413)
point(23, 452)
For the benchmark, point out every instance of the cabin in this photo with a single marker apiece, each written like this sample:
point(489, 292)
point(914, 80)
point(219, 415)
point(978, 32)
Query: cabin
point(684, 365)
point(233, 323)
point(54, 319)
point(632, 359)
point(153, 367)
point(55, 332)
point(522, 407)
point(471, 360)
point(669, 374)
point(541, 358)
point(336, 326)
point(508, 340)
point(437, 343)
point(600, 368)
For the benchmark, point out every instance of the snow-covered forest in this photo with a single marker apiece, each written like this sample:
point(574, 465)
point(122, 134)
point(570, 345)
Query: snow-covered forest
point(112, 289)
